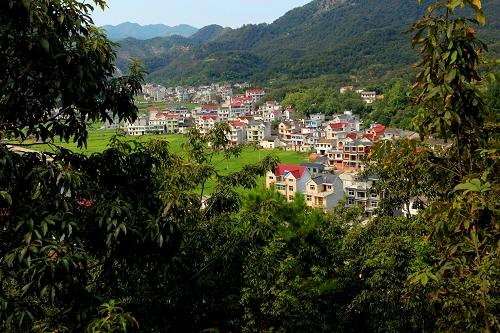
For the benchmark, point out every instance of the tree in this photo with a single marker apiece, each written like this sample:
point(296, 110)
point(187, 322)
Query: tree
point(57, 71)
point(462, 215)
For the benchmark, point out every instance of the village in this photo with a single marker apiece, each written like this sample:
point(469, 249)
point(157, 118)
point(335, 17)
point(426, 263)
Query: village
point(336, 144)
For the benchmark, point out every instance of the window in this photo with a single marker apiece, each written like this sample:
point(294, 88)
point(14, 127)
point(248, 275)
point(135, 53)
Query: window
point(351, 193)
point(329, 187)
point(374, 195)
point(374, 204)
point(271, 177)
point(290, 179)
point(290, 188)
point(361, 194)
point(350, 201)
point(312, 187)
point(290, 197)
point(280, 187)
point(309, 198)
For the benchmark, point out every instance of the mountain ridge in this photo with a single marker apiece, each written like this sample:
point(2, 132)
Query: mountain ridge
point(149, 31)
point(338, 38)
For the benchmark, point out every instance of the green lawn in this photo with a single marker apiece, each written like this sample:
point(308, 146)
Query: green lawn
point(98, 141)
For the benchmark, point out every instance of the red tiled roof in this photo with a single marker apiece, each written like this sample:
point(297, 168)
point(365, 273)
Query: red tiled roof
point(237, 124)
point(236, 105)
point(352, 135)
point(209, 107)
point(378, 128)
point(341, 124)
point(255, 91)
point(209, 117)
point(369, 136)
point(296, 170)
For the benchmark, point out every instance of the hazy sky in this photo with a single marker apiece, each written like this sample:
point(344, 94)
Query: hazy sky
point(198, 13)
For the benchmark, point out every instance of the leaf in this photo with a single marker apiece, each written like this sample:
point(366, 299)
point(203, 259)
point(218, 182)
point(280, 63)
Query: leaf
point(481, 19)
point(45, 44)
point(26, 3)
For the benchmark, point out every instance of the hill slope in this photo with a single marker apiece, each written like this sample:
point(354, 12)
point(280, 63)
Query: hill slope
point(137, 31)
point(338, 38)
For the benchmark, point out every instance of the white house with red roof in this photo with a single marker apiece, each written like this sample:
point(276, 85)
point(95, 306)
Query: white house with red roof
point(377, 131)
point(288, 180)
point(336, 131)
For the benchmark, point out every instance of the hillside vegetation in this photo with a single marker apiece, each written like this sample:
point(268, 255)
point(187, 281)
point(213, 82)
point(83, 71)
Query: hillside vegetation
point(336, 41)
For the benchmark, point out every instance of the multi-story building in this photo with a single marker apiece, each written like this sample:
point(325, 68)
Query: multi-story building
point(257, 131)
point(336, 131)
point(323, 146)
point(354, 152)
point(288, 180)
point(324, 191)
point(358, 192)
point(238, 134)
point(205, 123)
point(256, 94)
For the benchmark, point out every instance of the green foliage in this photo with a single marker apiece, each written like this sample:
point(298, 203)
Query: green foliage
point(397, 108)
point(324, 100)
point(57, 72)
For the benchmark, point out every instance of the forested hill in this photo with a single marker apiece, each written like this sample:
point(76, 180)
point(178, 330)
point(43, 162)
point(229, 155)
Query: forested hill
point(343, 38)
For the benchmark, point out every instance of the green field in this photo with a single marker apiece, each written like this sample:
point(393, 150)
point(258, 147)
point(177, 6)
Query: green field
point(98, 141)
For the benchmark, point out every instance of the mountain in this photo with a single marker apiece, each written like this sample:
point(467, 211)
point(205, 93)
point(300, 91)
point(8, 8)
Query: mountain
point(137, 31)
point(340, 39)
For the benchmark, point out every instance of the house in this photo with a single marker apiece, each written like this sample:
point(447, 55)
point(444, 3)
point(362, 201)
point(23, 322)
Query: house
point(205, 123)
point(336, 131)
point(237, 136)
point(257, 131)
point(288, 180)
point(345, 89)
point(314, 168)
point(271, 142)
point(289, 113)
point(255, 94)
point(323, 146)
point(368, 96)
point(377, 131)
point(358, 192)
point(141, 127)
point(354, 152)
point(324, 191)
point(286, 129)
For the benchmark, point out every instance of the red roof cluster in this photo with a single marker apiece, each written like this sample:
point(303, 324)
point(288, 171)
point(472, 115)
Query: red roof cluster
point(296, 170)
point(209, 107)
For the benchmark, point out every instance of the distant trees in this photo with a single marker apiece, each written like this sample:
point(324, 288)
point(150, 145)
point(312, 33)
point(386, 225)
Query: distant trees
point(324, 100)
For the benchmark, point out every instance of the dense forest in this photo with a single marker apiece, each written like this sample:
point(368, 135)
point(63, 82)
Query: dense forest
point(325, 40)
point(126, 241)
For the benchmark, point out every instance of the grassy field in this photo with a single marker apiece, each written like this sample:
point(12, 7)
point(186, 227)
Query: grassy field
point(98, 141)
